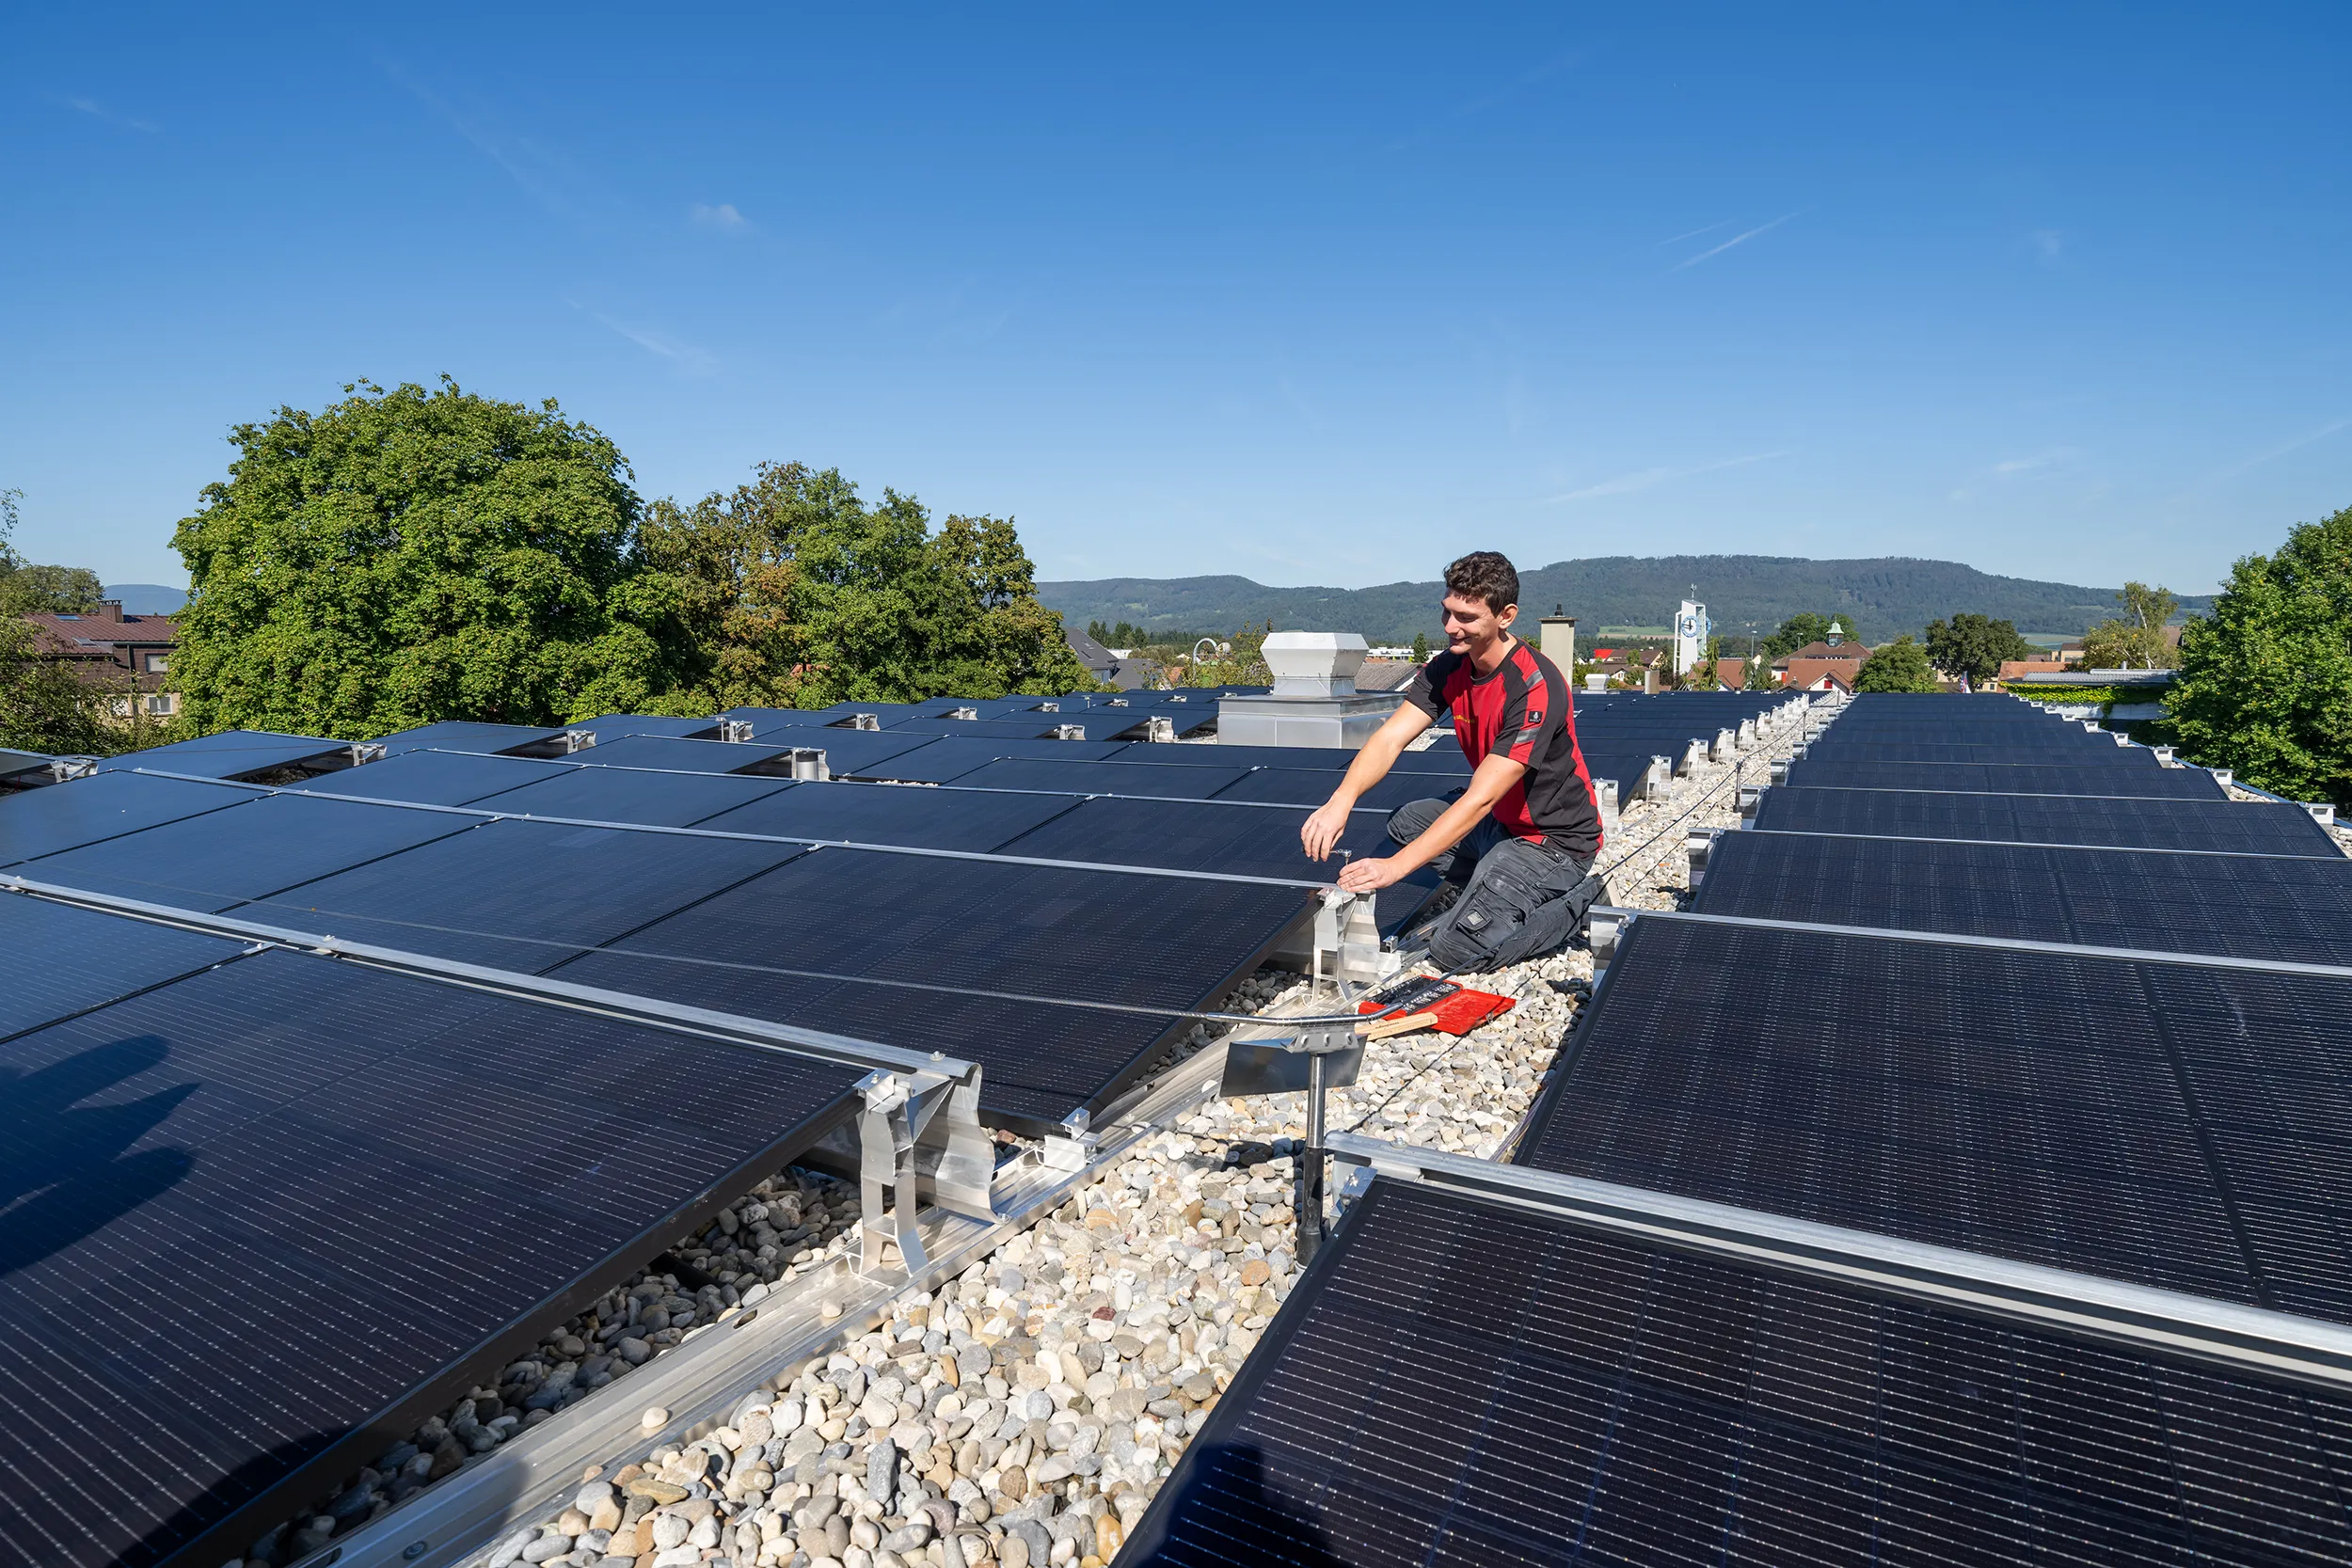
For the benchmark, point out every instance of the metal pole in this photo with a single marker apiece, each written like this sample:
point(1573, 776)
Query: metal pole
point(1307, 1204)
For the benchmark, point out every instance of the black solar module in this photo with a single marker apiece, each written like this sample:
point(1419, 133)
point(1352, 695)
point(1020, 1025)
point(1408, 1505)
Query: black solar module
point(84, 811)
point(231, 754)
point(948, 757)
point(517, 895)
point(2293, 907)
point(850, 750)
point(976, 821)
point(2172, 1125)
point(271, 1215)
point(1969, 778)
point(459, 734)
point(440, 777)
point(224, 858)
point(58, 961)
point(2241, 825)
point(660, 800)
point(613, 726)
point(688, 757)
point(1090, 935)
point(1101, 778)
point(1459, 1382)
point(1830, 748)
point(1027, 726)
point(778, 724)
point(1204, 836)
point(1302, 787)
point(1444, 757)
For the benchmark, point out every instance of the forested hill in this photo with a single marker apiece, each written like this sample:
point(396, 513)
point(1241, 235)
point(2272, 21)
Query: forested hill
point(1887, 596)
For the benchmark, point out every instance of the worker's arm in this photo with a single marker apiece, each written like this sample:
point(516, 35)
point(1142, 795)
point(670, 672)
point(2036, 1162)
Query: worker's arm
point(1324, 829)
point(1492, 783)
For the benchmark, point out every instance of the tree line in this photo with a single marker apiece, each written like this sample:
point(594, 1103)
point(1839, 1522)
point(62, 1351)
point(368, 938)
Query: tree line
point(413, 555)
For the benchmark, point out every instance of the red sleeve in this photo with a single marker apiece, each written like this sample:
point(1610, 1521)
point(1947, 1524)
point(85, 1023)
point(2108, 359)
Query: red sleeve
point(1527, 715)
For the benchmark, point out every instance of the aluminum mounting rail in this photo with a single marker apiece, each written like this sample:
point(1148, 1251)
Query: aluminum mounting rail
point(920, 1130)
point(2137, 1316)
point(1621, 917)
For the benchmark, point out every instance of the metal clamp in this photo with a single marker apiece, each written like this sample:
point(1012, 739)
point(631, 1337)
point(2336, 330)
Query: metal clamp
point(1069, 731)
point(808, 762)
point(918, 1137)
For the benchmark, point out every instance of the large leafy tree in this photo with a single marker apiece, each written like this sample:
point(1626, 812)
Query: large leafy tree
point(790, 592)
point(1802, 628)
point(414, 555)
point(1974, 645)
point(2266, 679)
point(2135, 639)
point(1900, 666)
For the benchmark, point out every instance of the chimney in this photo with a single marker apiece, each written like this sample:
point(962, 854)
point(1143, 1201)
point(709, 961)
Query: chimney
point(1559, 639)
point(110, 610)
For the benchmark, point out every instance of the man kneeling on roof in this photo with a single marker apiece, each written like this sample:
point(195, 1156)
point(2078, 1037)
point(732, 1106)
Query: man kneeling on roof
point(1516, 845)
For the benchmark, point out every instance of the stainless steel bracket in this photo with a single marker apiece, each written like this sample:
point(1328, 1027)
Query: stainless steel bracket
point(919, 1137)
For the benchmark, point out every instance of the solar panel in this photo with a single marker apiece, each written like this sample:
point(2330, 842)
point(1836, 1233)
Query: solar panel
point(1101, 778)
point(2298, 910)
point(1300, 786)
point(1038, 930)
point(2090, 752)
point(613, 726)
point(1444, 757)
point(601, 794)
point(233, 753)
point(2246, 826)
point(442, 778)
point(851, 750)
point(937, 761)
point(224, 858)
point(1028, 726)
point(2008, 778)
point(517, 895)
point(84, 811)
point(261, 1202)
point(16, 765)
point(1465, 1383)
point(686, 756)
point(894, 814)
point(2172, 1125)
point(459, 734)
point(59, 960)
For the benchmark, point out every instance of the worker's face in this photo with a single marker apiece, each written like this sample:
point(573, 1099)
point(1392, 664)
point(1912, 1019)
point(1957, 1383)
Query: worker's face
point(1472, 627)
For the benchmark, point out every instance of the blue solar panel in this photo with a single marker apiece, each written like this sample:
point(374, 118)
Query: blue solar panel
point(234, 753)
point(937, 761)
point(849, 751)
point(275, 1214)
point(458, 735)
point(1189, 836)
point(1101, 778)
point(597, 794)
point(2223, 825)
point(1443, 758)
point(440, 777)
point(613, 726)
point(2185, 784)
point(517, 895)
point(58, 961)
point(1300, 786)
point(84, 811)
point(224, 858)
point(1028, 726)
point(966, 819)
point(686, 756)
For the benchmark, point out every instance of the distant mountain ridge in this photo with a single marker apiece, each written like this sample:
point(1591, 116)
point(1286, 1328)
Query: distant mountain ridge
point(148, 599)
point(1884, 596)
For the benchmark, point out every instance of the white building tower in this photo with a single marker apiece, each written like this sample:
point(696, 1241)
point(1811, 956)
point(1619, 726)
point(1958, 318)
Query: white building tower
point(1692, 630)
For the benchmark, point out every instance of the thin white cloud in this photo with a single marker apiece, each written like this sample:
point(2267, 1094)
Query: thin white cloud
point(1643, 479)
point(2273, 453)
point(1735, 239)
point(2040, 460)
point(1694, 233)
point(724, 218)
point(686, 357)
point(99, 111)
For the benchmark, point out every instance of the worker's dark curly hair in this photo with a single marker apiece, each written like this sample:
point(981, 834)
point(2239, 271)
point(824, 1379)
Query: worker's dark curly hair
point(1487, 574)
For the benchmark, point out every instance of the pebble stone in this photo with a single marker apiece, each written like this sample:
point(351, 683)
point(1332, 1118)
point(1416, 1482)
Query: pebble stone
point(1026, 1412)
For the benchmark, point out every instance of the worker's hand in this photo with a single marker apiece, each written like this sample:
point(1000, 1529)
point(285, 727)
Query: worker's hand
point(1322, 830)
point(1370, 876)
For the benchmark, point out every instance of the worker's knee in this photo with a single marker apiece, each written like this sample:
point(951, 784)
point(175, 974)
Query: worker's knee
point(1521, 903)
point(1408, 822)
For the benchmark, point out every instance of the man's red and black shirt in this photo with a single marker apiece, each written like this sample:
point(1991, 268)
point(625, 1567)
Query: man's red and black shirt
point(1523, 711)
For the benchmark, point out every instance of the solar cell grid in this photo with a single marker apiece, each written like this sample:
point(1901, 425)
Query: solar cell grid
point(688, 757)
point(613, 726)
point(1107, 778)
point(2298, 910)
point(1037, 930)
point(1302, 787)
point(2245, 826)
point(60, 960)
point(84, 811)
point(459, 734)
point(1442, 757)
point(2008, 779)
point(259, 1202)
point(1460, 1382)
point(231, 753)
point(517, 895)
point(598, 793)
point(851, 750)
point(441, 778)
point(2085, 1113)
point(973, 820)
point(220, 858)
point(939, 760)
point(2099, 755)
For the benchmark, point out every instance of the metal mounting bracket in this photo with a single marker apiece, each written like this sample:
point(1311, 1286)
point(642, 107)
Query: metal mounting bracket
point(578, 740)
point(808, 762)
point(1347, 941)
point(737, 731)
point(919, 1137)
point(1698, 842)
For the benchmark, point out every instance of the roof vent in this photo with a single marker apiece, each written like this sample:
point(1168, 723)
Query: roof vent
point(1314, 663)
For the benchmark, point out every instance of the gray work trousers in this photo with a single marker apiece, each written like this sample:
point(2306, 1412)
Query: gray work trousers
point(1517, 898)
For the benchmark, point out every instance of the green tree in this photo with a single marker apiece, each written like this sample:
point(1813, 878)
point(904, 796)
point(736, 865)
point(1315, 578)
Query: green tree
point(1802, 629)
point(414, 555)
point(2266, 679)
point(790, 592)
point(2135, 639)
point(1900, 666)
point(1974, 646)
point(27, 589)
point(1420, 647)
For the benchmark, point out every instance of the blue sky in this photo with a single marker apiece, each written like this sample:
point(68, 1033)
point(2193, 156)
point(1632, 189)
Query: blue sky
point(1311, 295)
